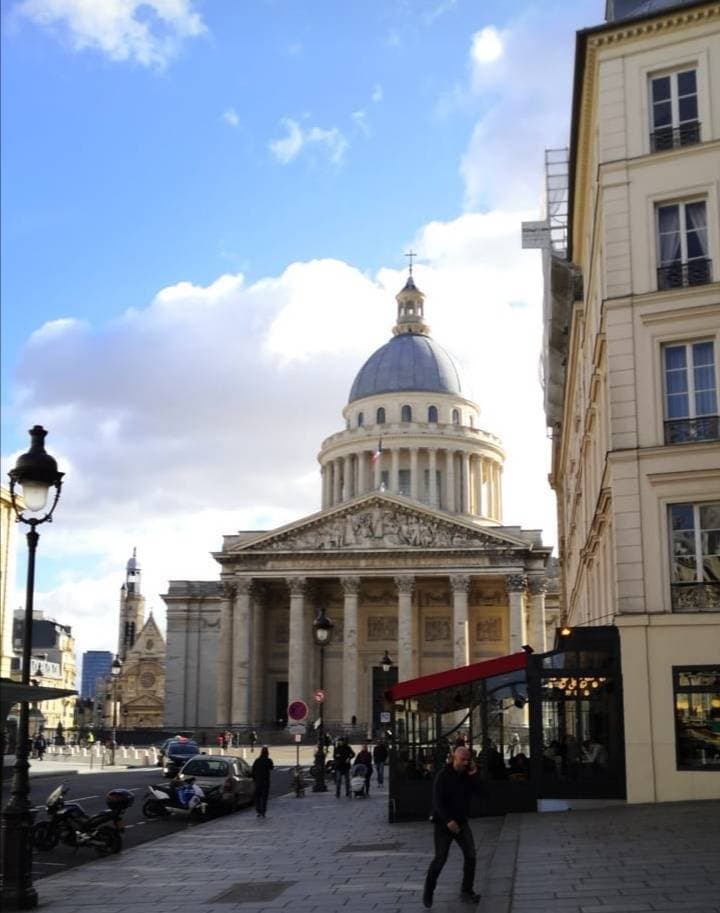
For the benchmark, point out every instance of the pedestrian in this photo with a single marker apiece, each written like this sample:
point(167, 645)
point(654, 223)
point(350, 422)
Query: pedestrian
point(40, 745)
point(380, 756)
point(364, 757)
point(253, 740)
point(219, 740)
point(261, 770)
point(452, 791)
point(342, 755)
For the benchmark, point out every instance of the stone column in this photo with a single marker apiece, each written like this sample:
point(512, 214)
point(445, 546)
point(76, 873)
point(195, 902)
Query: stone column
point(432, 473)
point(414, 488)
point(465, 483)
point(450, 479)
point(241, 653)
point(479, 507)
point(499, 493)
point(336, 482)
point(225, 650)
point(395, 470)
point(460, 584)
point(351, 589)
point(362, 472)
point(406, 653)
point(347, 478)
point(515, 585)
point(257, 658)
point(297, 648)
point(538, 588)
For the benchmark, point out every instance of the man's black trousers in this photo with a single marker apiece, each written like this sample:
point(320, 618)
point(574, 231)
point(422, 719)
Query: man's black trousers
point(443, 839)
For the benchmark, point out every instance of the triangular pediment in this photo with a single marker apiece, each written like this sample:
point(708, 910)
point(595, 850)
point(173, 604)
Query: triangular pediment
point(378, 521)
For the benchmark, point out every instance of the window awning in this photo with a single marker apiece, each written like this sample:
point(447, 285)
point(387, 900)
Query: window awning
point(463, 675)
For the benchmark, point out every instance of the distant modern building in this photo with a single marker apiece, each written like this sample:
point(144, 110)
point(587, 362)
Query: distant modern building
point(95, 667)
point(631, 353)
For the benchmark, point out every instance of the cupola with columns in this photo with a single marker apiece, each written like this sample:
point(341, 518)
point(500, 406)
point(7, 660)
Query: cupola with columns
point(410, 429)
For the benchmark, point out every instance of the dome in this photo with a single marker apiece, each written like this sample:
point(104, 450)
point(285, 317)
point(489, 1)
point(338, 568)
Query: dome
point(410, 361)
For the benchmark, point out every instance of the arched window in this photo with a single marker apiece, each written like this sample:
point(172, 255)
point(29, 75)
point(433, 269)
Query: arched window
point(456, 416)
point(406, 414)
point(471, 419)
point(361, 419)
point(380, 417)
point(432, 415)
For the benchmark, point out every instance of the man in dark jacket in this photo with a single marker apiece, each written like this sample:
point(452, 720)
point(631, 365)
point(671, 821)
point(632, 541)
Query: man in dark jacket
point(452, 792)
point(380, 756)
point(342, 756)
point(261, 770)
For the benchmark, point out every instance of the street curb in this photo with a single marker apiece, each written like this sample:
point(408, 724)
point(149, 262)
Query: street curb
point(497, 890)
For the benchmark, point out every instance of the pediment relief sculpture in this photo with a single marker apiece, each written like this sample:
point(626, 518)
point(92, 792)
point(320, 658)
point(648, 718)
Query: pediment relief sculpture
point(379, 525)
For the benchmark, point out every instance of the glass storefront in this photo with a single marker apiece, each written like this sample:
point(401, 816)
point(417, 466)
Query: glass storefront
point(696, 691)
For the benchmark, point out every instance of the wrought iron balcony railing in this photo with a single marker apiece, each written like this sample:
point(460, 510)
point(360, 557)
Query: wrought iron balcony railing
point(696, 597)
point(673, 137)
point(680, 274)
point(686, 430)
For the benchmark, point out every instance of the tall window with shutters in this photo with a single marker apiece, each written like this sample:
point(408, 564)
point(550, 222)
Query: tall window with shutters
point(690, 392)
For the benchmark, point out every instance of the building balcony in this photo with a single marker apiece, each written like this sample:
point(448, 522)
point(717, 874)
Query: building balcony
point(695, 597)
point(682, 274)
point(674, 137)
point(692, 430)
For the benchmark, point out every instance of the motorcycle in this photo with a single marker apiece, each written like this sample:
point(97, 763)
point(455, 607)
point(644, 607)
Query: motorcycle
point(179, 796)
point(70, 824)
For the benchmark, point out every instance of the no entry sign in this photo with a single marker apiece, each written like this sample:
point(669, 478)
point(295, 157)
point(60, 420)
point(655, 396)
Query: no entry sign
point(297, 711)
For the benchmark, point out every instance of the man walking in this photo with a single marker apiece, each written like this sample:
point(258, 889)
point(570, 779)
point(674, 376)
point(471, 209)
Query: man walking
point(380, 756)
point(261, 770)
point(342, 756)
point(452, 792)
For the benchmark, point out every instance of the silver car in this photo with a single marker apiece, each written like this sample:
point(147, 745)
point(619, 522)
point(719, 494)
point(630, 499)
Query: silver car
point(226, 781)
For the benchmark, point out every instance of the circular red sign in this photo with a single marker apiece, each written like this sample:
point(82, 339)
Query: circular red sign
point(297, 711)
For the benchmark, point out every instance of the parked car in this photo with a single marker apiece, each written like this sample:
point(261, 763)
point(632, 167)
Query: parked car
point(176, 753)
point(232, 774)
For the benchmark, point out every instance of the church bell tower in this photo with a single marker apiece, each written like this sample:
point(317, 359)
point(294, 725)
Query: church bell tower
point(132, 607)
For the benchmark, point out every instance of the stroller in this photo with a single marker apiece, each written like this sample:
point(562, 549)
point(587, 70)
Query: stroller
point(357, 780)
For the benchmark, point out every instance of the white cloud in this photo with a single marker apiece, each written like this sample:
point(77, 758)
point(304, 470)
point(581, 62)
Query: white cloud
point(377, 93)
point(360, 119)
point(524, 100)
point(147, 31)
point(230, 116)
point(332, 142)
point(202, 412)
point(487, 45)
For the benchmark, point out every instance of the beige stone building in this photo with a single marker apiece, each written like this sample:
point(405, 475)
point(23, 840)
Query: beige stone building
point(632, 338)
point(135, 698)
point(409, 554)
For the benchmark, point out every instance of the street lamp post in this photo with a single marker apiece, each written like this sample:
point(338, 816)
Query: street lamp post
point(36, 473)
point(115, 670)
point(386, 665)
point(322, 633)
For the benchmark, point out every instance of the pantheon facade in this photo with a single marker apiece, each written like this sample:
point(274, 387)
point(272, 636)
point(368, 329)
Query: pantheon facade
point(408, 554)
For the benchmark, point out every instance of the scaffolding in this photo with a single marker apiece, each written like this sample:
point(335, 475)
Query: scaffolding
point(557, 184)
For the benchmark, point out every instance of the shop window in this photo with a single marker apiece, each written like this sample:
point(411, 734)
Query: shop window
point(682, 240)
point(432, 415)
point(691, 396)
point(696, 691)
point(380, 416)
point(674, 110)
point(695, 556)
point(406, 414)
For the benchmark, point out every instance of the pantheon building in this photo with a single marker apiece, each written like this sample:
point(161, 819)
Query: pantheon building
point(408, 555)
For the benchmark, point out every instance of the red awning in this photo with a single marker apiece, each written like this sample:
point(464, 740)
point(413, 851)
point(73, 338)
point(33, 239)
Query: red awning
point(463, 675)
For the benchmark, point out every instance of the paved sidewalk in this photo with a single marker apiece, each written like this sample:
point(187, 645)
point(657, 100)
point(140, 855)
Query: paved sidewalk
point(325, 854)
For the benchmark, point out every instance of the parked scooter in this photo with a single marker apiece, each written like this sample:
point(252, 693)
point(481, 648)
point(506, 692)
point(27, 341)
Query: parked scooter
point(70, 824)
point(183, 796)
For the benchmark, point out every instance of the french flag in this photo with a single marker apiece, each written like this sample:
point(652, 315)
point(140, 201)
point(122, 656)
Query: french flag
point(376, 454)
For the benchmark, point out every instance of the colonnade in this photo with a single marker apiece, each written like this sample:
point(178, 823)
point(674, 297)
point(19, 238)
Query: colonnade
point(240, 652)
point(454, 480)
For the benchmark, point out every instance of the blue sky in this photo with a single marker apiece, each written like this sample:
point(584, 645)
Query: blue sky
point(204, 219)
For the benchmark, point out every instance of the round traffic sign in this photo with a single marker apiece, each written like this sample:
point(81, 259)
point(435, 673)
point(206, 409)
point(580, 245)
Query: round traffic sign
point(297, 711)
point(318, 696)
